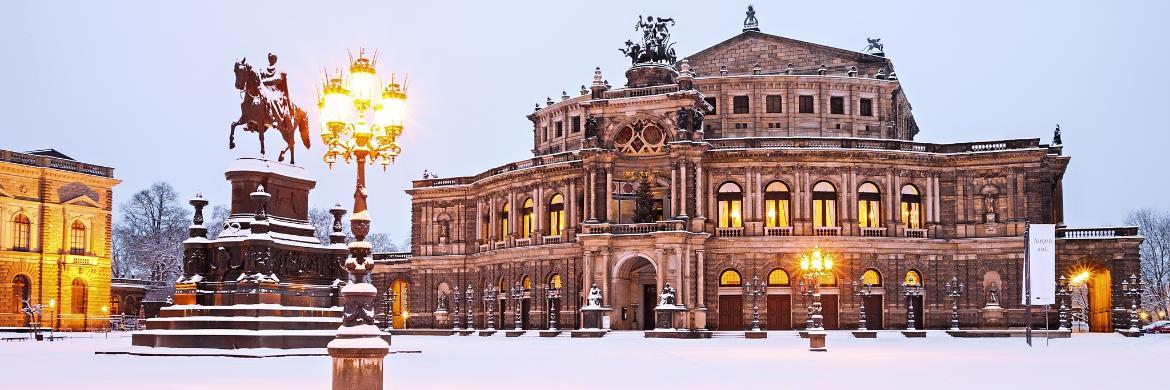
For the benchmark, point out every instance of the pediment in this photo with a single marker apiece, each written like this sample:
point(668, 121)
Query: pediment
point(742, 52)
point(83, 200)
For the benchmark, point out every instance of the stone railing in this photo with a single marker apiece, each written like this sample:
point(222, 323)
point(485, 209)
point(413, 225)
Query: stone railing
point(55, 163)
point(778, 231)
point(873, 144)
point(1103, 232)
point(634, 228)
point(729, 232)
point(534, 162)
point(485, 247)
point(523, 241)
point(546, 240)
point(873, 232)
point(391, 256)
point(499, 245)
point(636, 92)
point(914, 233)
point(827, 231)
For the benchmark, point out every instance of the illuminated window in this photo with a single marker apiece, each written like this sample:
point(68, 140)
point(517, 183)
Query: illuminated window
point(80, 297)
point(21, 229)
point(824, 205)
point(77, 238)
point(913, 278)
point(730, 199)
point(778, 277)
point(486, 228)
point(556, 215)
point(526, 283)
point(869, 210)
point(503, 225)
point(729, 278)
point(555, 281)
point(871, 277)
point(776, 203)
point(911, 207)
point(526, 219)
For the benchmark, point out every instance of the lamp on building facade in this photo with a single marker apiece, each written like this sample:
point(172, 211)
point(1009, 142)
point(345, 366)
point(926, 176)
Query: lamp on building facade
point(954, 289)
point(814, 266)
point(1062, 293)
point(554, 296)
point(456, 297)
point(361, 119)
point(862, 289)
point(754, 290)
point(911, 291)
point(469, 299)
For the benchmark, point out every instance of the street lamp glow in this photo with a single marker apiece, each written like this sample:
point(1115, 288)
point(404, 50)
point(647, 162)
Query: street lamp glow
point(53, 303)
point(347, 103)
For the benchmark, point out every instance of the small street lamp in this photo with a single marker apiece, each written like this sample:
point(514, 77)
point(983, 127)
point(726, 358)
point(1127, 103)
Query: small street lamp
point(862, 289)
point(1063, 294)
point(1132, 288)
point(554, 296)
point(388, 310)
point(52, 317)
point(754, 290)
point(814, 266)
point(517, 293)
point(469, 299)
point(456, 317)
point(911, 291)
point(954, 289)
point(489, 296)
point(806, 293)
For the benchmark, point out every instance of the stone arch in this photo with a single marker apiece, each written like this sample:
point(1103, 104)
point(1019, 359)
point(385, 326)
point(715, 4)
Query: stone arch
point(637, 279)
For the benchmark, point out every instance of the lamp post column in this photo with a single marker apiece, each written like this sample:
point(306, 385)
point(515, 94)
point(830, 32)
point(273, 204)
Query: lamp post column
point(955, 289)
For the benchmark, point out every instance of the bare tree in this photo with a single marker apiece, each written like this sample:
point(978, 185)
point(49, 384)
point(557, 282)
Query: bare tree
point(322, 223)
point(150, 234)
point(1155, 256)
point(214, 223)
point(382, 242)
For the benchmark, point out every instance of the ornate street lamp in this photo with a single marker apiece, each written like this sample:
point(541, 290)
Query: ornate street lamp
point(754, 290)
point(554, 296)
point(517, 293)
point(911, 291)
point(490, 294)
point(456, 317)
point(346, 102)
point(388, 309)
point(1062, 293)
point(814, 266)
point(862, 289)
point(954, 289)
point(469, 299)
point(1132, 288)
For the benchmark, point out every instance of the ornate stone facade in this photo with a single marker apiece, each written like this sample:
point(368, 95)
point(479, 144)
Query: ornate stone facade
point(800, 145)
point(54, 238)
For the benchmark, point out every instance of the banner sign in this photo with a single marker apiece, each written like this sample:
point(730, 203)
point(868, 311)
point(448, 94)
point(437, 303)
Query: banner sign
point(1040, 263)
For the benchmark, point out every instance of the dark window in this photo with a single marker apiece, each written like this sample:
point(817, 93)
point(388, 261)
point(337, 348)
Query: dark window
point(866, 107)
point(560, 128)
point(575, 124)
point(806, 104)
point(741, 125)
point(836, 105)
point(773, 104)
point(714, 105)
point(21, 230)
point(739, 105)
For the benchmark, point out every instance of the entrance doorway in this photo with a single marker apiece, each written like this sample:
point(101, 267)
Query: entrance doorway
point(635, 287)
point(730, 312)
point(401, 307)
point(873, 312)
point(779, 312)
point(829, 312)
point(1100, 301)
point(649, 300)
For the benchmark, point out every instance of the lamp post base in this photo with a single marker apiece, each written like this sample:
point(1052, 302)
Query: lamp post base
point(816, 341)
point(357, 363)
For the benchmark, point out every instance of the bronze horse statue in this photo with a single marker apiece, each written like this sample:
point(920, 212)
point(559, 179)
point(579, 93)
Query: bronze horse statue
point(262, 109)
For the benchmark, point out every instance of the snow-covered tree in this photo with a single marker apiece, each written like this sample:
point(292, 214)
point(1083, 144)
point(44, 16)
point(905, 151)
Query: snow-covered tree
point(1154, 225)
point(322, 223)
point(382, 242)
point(215, 219)
point(149, 236)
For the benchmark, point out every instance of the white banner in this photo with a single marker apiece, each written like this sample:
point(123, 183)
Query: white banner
point(1041, 248)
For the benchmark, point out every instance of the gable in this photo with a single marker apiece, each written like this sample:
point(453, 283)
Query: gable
point(742, 52)
point(83, 200)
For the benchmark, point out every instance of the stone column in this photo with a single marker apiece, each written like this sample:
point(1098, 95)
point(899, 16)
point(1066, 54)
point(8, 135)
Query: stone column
point(699, 194)
point(478, 220)
point(683, 203)
point(588, 274)
point(660, 263)
point(492, 215)
point(701, 279)
point(605, 278)
point(674, 188)
point(609, 195)
point(359, 351)
point(570, 208)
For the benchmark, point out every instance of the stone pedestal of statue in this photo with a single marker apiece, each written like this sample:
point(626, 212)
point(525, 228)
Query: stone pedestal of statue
point(666, 316)
point(592, 318)
point(992, 317)
point(816, 341)
point(442, 319)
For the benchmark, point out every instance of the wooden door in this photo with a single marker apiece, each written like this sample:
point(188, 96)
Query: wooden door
point(1100, 303)
point(649, 300)
point(525, 306)
point(873, 312)
point(730, 312)
point(829, 311)
point(779, 312)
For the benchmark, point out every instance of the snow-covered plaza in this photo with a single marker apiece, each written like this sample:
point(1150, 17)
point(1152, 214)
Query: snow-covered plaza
point(619, 360)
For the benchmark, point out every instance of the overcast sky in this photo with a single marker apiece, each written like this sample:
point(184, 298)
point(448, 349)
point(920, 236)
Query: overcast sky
point(146, 87)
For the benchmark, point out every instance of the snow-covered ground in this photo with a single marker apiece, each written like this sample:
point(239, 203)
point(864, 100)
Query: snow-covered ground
point(623, 360)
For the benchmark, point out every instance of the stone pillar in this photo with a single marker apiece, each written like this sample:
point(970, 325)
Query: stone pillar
point(699, 194)
point(702, 273)
point(609, 195)
point(683, 203)
point(674, 188)
point(588, 274)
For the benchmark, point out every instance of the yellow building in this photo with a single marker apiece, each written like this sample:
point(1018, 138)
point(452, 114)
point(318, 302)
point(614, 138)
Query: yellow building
point(55, 249)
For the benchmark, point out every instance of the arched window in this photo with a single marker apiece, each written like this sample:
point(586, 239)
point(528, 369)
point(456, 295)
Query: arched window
point(485, 227)
point(501, 287)
point(526, 219)
point(21, 231)
point(776, 203)
point(824, 205)
point(869, 209)
point(828, 279)
point(913, 278)
point(556, 215)
point(778, 277)
point(730, 199)
point(872, 277)
point(554, 281)
point(77, 238)
point(21, 291)
point(729, 278)
point(911, 207)
point(503, 224)
point(80, 297)
point(526, 282)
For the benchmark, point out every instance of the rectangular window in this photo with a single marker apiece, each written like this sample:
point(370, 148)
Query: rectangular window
point(773, 104)
point(739, 105)
point(714, 105)
point(560, 129)
point(837, 105)
point(575, 124)
point(544, 133)
point(866, 107)
point(741, 126)
point(776, 214)
point(806, 104)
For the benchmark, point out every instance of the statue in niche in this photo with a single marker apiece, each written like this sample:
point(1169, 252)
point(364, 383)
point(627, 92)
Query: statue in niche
point(993, 294)
point(594, 297)
point(444, 231)
point(990, 193)
point(442, 303)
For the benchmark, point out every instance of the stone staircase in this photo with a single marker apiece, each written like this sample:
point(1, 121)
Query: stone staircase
point(241, 326)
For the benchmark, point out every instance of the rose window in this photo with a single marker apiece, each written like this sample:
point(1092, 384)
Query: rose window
point(640, 138)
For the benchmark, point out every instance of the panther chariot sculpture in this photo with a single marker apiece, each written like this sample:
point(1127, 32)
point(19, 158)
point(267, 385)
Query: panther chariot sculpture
point(265, 104)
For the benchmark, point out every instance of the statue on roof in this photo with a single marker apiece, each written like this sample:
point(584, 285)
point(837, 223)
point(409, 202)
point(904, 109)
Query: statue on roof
point(875, 45)
point(656, 45)
point(1056, 136)
point(750, 23)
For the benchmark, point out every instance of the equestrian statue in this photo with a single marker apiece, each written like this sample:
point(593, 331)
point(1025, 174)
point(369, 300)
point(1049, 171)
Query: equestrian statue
point(266, 104)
